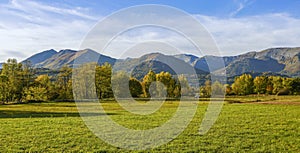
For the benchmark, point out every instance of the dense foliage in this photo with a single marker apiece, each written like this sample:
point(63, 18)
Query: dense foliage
point(20, 82)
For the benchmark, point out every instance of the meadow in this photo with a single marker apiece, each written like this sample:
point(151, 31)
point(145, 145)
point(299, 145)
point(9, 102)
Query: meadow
point(246, 124)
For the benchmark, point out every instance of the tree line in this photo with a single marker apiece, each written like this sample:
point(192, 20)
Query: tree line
point(274, 85)
point(111, 84)
point(19, 82)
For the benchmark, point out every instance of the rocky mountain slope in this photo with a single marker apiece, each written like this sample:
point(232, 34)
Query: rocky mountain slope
point(157, 62)
point(55, 60)
point(274, 60)
point(285, 61)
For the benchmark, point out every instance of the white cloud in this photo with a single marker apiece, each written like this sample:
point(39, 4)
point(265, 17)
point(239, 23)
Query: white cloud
point(142, 40)
point(39, 8)
point(29, 27)
point(232, 35)
point(237, 35)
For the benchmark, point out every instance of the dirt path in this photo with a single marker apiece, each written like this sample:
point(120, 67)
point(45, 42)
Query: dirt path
point(279, 103)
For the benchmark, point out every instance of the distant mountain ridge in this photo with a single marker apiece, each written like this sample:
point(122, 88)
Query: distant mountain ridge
point(41, 57)
point(285, 61)
point(52, 59)
point(157, 62)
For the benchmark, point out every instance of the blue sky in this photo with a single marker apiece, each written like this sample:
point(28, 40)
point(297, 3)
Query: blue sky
point(224, 8)
point(238, 26)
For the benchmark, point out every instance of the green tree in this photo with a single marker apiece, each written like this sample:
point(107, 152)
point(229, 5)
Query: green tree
point(218, 88)
point(184, 87)
point(27, 74)
point(135, 87)
point(243, 85)
point(103, 81)
point(120, 84)
point(40, 91)
point(228, 89)
point(280, 84)
point(260, 84)
point(177, 91)
point(147, 80)
point(277, 82)
point(84, 81)
point(13, 70)
point(36, 94)
point(168, 81)
point(287, 83)
point(43, 81)
point(4, 93)
point(295, 85)
point(269, 87)
point(64, 83)
point(205, 91)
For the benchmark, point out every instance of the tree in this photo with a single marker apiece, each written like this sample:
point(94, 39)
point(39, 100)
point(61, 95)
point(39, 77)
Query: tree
point(13, 70)
point(135, 87)
point(269, 87)
point(295, 85)
point(120, 84)
point(147, 80)
point(286, 83)
point(4, 93)
point(243, 85)
point(36, 94)
point(84, 81)
point(40, 91)
point(27, 75)
point(103, 81)
point(184, 87)
point(64, 83)
point(277, 84)
point(260, 84)
point(43, 81)
point(205, 91)
point(177, 91)
point(166, 79)
point(228, 89)
point(218, 89)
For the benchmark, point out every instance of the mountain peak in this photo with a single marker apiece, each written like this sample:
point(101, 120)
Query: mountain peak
point(88, 50)
point(65, 51)
point(152, 56)
point(188, 58)
point(50, 51)
point(42, 56)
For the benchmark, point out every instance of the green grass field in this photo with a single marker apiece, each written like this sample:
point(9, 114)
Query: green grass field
point(269, 126)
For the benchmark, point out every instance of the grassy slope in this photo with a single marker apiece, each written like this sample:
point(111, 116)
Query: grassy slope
point(57, 127)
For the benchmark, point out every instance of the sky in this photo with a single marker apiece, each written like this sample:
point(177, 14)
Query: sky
point(237, 26)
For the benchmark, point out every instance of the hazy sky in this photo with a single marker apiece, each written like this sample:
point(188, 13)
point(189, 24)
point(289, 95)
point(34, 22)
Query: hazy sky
point(238, 26)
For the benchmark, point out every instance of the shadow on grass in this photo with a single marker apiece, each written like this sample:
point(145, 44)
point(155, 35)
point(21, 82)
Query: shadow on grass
point(32, 114)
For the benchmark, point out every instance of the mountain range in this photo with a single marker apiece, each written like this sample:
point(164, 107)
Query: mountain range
point(52, 59)
point(282, 61)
